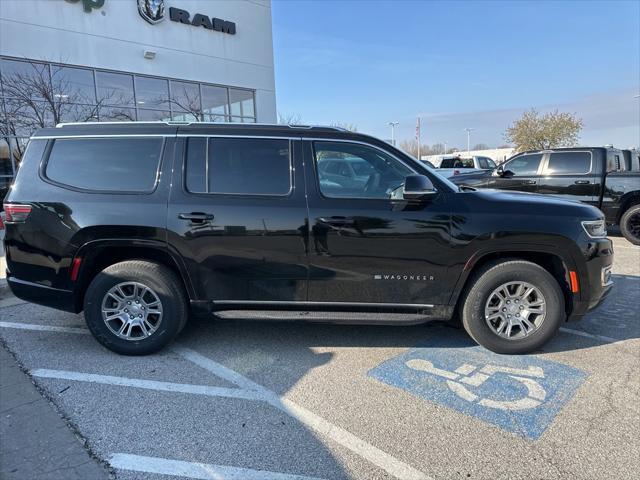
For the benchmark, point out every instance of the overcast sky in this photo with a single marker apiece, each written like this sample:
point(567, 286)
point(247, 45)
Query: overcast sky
point(460, 64)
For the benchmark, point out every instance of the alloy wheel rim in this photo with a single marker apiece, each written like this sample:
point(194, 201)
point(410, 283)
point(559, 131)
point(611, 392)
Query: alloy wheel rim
point(132, 311)
point(515, 310)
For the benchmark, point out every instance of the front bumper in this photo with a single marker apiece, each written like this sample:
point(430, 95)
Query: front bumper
point(595, 277)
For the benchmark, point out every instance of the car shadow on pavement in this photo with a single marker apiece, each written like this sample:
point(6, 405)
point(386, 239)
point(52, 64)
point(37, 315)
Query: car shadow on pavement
point(615, 319)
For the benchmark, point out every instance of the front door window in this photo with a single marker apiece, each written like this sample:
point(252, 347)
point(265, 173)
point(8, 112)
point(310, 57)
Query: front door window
point(357, 171)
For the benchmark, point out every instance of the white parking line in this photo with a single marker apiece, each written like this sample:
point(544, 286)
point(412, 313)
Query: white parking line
point(44, 328)
point(147, 384)
point(383, 460)
point(581, 333)
point(201, 471)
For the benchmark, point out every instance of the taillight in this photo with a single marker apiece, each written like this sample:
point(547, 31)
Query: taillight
point(16, 213)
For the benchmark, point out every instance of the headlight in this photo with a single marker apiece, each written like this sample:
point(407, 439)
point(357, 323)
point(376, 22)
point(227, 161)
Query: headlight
point(595, 228)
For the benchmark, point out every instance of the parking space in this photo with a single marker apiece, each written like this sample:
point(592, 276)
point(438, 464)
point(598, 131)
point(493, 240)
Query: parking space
point(278, 400)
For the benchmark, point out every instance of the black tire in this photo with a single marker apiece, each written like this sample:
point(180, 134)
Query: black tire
point(630, 224)
point(490, 277)
point(164, 283)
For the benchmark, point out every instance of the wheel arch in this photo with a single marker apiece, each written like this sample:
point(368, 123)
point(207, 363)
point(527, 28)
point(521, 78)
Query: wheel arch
point(626, 202)
point(98, 254)
point(557, 265)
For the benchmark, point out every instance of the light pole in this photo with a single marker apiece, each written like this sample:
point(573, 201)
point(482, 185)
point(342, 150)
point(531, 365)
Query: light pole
point(445, 148)
point(393, 132)
point(469, 130)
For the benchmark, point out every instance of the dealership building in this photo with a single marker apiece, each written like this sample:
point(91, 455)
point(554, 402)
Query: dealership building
point(146, 60)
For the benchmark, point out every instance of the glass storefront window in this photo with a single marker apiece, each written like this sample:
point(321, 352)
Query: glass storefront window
point(72, 112)
point(114, 88)
point(145, 115)
point(6, 165)
point(241, 102)
point(25, 79)
point(152, 92)
point(117, 114)
point(215, 102)
point(74, 85)
point(86, 94)
point(185, 97)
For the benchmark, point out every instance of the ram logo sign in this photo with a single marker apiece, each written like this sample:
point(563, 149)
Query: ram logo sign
point(151, 10)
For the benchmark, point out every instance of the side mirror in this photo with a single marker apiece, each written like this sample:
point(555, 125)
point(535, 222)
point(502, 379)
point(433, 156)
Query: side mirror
point(499, 170)
point(417, 186)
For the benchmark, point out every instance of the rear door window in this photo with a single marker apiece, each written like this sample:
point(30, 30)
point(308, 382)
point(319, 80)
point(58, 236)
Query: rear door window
point(524, 165)
point(240, 166)
point(569, 163)
point(106, 164)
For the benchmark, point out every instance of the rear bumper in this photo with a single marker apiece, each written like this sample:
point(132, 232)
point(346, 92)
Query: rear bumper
point(42, 295)
point(595, 280)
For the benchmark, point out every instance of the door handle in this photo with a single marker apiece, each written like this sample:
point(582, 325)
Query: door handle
point(528, 182)
point(582, 182)
point(196, 217)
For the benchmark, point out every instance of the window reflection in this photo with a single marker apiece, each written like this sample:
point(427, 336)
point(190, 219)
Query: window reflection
point(74, 85)
point(215, 101)
point(83, 94)
point(241, 102)
point(185, 97)
point(152, 92)
point(114, 88)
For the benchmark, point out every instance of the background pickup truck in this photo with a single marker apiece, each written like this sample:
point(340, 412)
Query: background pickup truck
point(593, 175)
point(449, 166)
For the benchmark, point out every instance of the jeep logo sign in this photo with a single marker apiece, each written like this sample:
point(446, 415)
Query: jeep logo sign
point(200, 20)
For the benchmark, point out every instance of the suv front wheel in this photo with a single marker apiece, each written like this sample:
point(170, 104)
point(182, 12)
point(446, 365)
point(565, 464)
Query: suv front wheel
point(513, 307)
point(135, 307)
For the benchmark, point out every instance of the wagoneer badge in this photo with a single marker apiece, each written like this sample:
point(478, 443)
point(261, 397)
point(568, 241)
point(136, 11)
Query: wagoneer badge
point(151, 10)
point(418, 278)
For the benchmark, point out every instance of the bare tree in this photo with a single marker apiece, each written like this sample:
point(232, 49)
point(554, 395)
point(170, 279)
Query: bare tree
point(289, 118)
point(42, 95)
point(481, 146)
point(533, 131)
point(352, 127)
point(186, 102)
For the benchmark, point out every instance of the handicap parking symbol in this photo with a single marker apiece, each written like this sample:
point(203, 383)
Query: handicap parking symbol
point(521, 394)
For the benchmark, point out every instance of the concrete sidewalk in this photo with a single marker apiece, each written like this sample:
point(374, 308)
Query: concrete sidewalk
point(35, 442)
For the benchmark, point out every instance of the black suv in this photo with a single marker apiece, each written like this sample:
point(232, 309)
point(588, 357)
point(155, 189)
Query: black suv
point(141, 224)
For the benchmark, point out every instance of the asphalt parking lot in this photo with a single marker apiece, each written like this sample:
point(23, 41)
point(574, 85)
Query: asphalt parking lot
point(280, 400)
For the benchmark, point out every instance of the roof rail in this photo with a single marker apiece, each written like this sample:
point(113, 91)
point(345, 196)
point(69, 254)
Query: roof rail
point(172, 122)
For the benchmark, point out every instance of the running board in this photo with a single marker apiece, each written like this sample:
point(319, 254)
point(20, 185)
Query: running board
point(328, 317)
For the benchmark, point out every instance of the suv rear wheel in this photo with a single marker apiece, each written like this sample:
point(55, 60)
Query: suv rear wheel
point(630, 224)
point(513, 307)
point(135, 307)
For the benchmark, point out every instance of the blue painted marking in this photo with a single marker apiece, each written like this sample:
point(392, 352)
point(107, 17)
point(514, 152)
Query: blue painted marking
point(521, 394)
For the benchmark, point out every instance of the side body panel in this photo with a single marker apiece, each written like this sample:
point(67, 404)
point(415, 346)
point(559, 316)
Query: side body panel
point(377, 251)
point(253, 247)
point(62, 220)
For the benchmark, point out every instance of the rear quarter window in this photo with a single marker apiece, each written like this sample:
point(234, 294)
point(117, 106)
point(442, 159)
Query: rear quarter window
point(106, 164)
